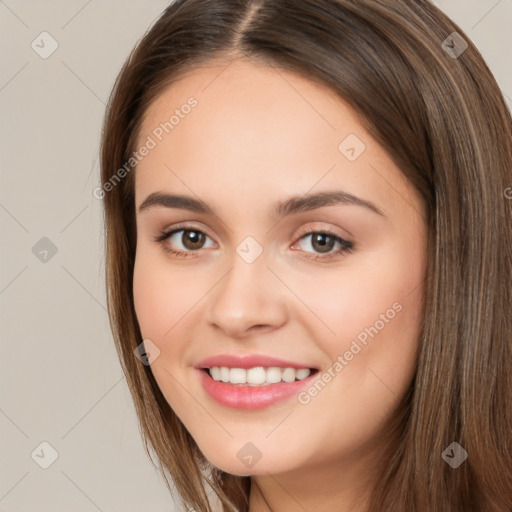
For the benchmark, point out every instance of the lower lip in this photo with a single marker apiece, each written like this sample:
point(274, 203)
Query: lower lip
point(250, 397)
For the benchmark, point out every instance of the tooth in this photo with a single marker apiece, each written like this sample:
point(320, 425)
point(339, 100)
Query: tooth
point(288, 374)
point(237, 375)
point(302, 373)
point(273, 375)
point(256, 375)
point(224, 374)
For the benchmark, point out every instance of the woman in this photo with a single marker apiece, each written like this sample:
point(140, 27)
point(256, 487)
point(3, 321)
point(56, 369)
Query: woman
point(309, 258)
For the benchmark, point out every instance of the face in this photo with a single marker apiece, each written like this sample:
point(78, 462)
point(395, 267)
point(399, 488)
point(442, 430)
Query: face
point(328, 283)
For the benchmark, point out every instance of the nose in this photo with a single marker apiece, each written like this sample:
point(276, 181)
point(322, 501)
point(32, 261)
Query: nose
point(248, 299)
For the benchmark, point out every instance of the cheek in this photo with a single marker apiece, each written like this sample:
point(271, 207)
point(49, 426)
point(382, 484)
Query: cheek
point(161, 296)
point(375, 312)
point(355, 297)
point(151, 299)
point(163, 300)
point(370, 312)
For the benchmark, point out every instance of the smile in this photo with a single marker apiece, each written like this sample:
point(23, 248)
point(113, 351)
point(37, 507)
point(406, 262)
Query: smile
point(253, 388)
point(258, 375)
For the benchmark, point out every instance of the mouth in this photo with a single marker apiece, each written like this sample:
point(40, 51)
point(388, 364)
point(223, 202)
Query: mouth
point(258, 376)
point(253, 388)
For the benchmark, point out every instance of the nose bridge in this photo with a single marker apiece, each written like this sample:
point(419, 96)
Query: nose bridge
point(248, 295)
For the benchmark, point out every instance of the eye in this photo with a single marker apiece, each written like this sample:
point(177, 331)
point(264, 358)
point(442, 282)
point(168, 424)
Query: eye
point(324, 242)
point(191, 239)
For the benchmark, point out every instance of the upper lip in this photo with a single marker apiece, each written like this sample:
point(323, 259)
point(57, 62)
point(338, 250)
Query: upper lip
point(247, 361)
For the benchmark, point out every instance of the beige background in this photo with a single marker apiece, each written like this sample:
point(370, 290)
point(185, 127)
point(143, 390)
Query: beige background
point(60, 379)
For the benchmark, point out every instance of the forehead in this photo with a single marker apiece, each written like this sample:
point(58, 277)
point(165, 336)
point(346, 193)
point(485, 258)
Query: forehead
point(253, 95)
point(257, 128)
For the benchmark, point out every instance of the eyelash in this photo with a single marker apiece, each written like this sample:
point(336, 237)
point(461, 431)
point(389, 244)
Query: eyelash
point(346, 246)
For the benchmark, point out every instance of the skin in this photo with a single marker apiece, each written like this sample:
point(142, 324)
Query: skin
point(258, 135)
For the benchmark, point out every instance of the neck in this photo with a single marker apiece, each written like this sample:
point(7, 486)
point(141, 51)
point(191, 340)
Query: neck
point(343, 484)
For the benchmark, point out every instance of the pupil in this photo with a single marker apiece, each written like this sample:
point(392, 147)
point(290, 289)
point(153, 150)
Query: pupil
point(192, 238)
point(324, 246)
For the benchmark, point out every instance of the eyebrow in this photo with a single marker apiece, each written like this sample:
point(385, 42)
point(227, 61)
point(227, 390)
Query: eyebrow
point(290, 206)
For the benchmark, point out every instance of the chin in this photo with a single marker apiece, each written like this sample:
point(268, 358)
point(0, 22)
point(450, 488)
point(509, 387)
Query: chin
point(234, 467)
point(237, 467)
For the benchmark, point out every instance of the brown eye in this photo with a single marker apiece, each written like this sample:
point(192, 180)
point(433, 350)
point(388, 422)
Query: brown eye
point(183, 242)
point(322, 242)
point(192, 240)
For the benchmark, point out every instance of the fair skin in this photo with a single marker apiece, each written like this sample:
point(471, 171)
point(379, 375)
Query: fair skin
point(258, 136)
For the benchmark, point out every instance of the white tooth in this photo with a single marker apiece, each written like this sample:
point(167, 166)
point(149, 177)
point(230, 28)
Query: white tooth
point(224, 374)
point(288, 374)
point(237, 375)
point(256, 375)
point(273, 375)
point(302, 373)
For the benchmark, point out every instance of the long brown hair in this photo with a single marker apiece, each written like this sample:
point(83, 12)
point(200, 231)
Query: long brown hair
point(434, 105)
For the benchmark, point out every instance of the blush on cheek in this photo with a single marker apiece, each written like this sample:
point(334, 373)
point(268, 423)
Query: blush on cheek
point(154, 312)
point(163, 303)
point(378, 333)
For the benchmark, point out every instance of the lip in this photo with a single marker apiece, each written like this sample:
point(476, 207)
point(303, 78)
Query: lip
point(239, 396)
point(247, 361)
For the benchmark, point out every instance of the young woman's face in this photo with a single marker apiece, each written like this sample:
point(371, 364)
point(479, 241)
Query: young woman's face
point(330, 284)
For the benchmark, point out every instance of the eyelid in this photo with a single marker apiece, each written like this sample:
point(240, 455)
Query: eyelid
point(320, 228)
point(189, 226)
point(315, 226)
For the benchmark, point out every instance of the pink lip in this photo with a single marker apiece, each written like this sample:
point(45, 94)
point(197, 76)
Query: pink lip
point(247, 361)
point(250, 397)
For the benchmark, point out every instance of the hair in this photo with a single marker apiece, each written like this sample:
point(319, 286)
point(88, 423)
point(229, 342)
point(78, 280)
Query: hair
point(444, 122)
